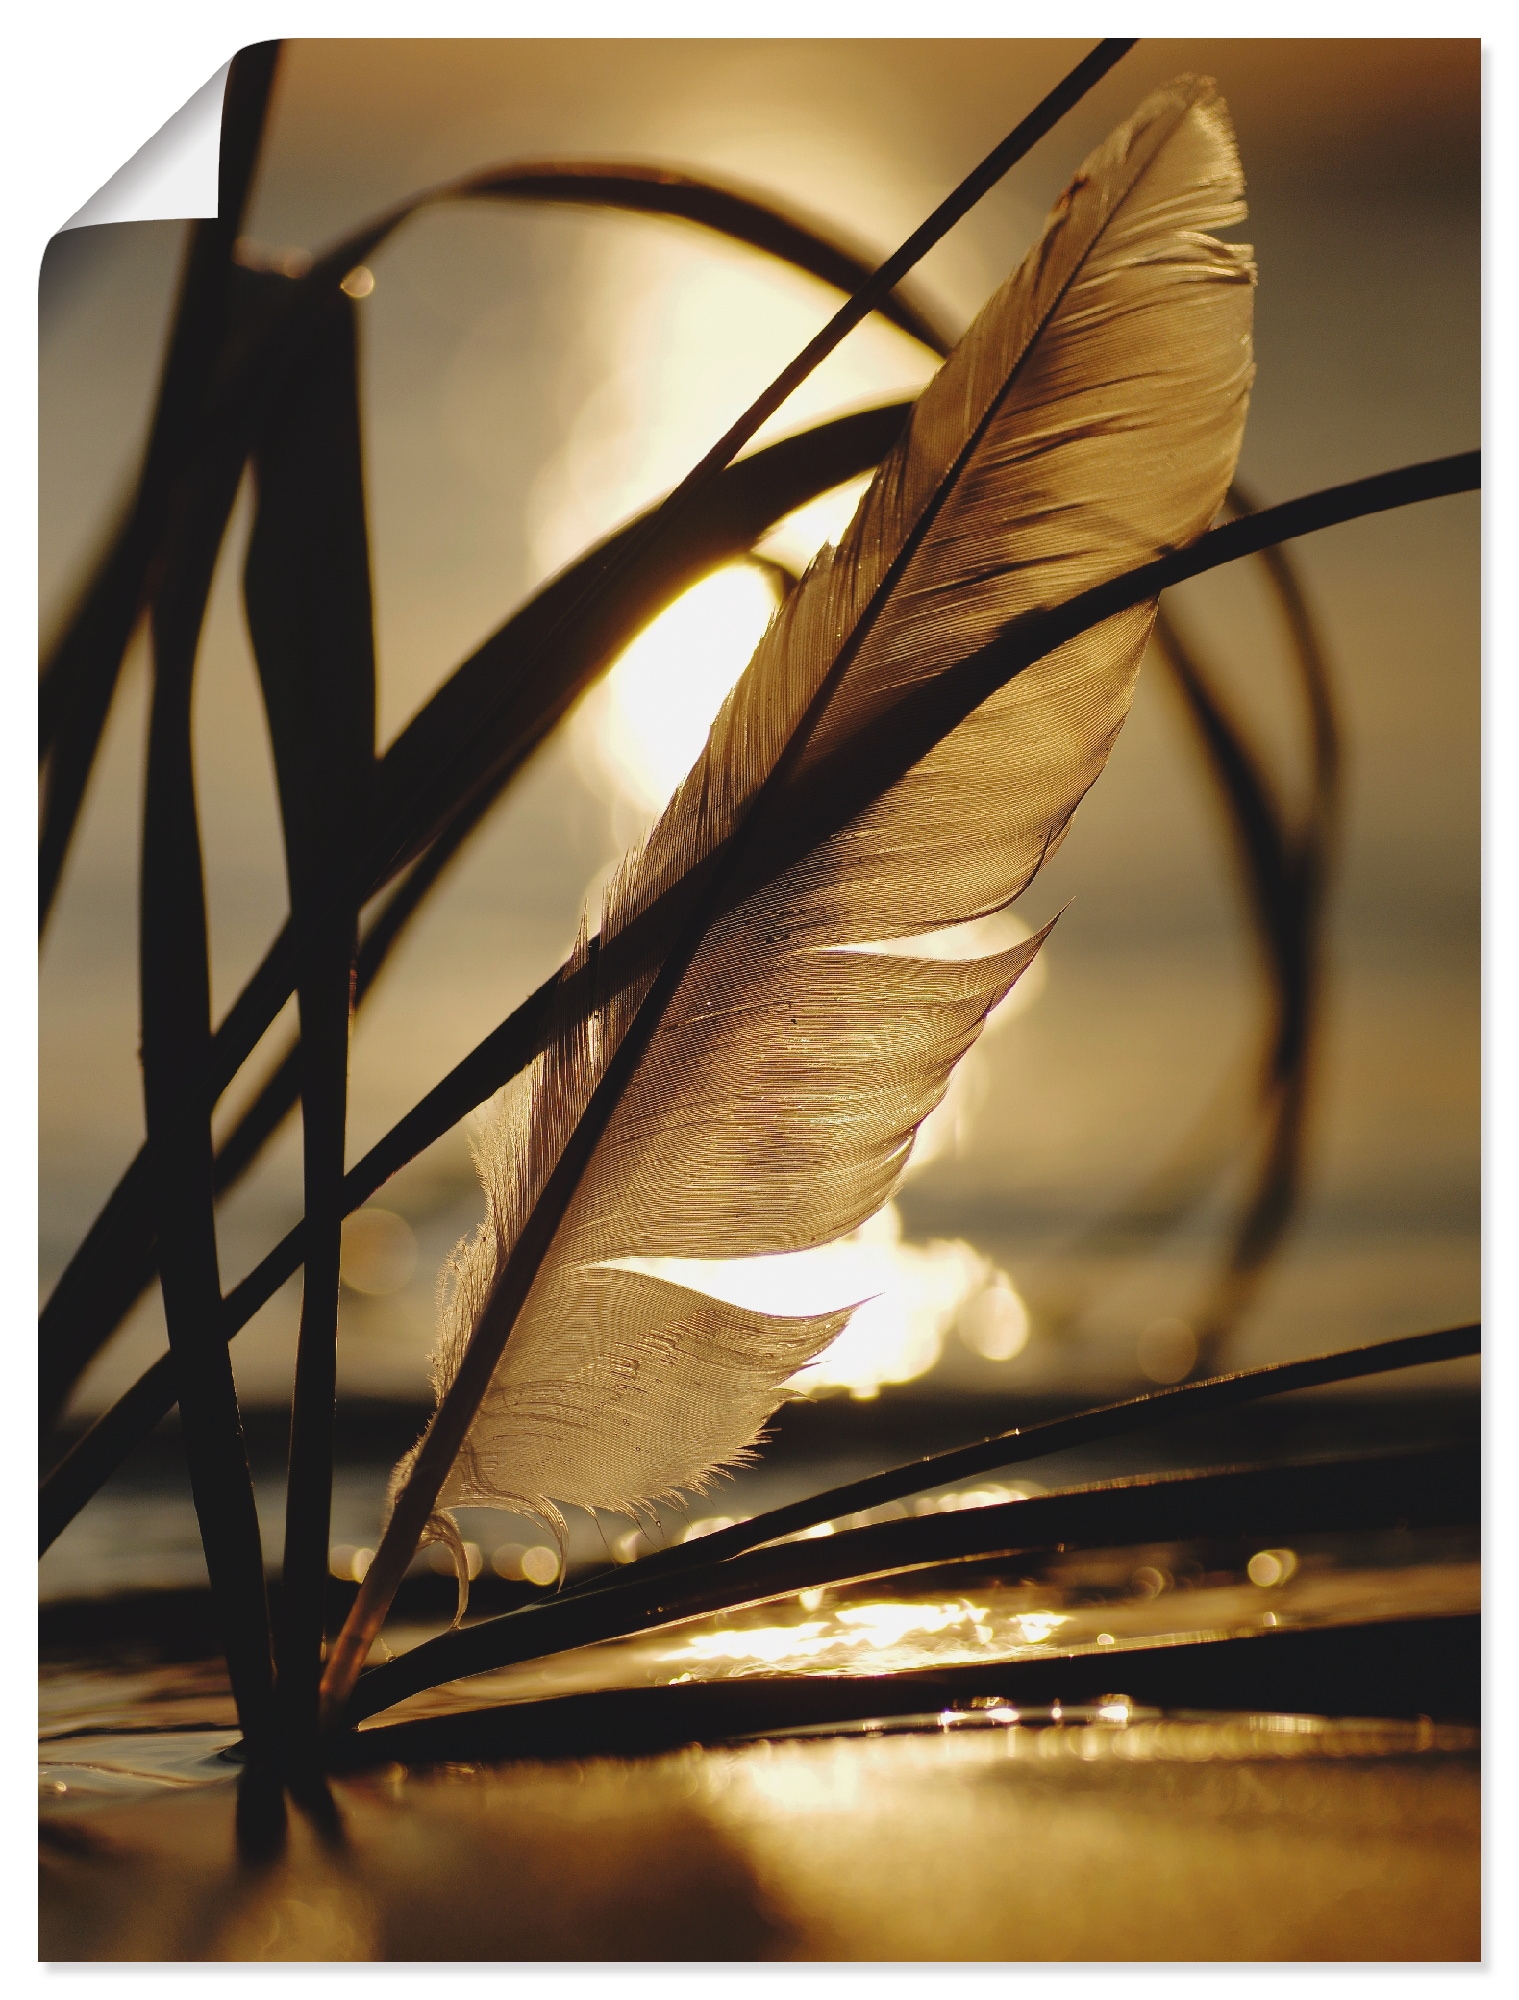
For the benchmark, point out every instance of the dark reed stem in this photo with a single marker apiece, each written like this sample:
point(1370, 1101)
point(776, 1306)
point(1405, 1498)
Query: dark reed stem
point(519, 1038)
point(116, 1260)
point(176, 1040)
point(79, 677)
point(645, 190)
point(1433, 1669)
point(1207, 1397)
point(1286, 902)
point(306, 586)
point(326, 993)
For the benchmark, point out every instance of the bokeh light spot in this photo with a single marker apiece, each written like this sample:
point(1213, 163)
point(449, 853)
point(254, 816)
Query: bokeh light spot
point(379, 1252)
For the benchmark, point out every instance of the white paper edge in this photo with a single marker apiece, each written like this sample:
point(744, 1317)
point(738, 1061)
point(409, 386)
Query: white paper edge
point(173, 177)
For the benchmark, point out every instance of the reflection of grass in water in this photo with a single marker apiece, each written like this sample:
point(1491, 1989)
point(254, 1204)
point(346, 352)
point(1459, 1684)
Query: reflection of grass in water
point(261, 369)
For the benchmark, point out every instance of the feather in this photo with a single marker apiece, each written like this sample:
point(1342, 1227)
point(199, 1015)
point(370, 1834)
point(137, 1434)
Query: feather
point(1088, 421)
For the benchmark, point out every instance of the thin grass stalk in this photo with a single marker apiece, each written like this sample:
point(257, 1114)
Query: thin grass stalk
point(644, 190)
point(325, 1002)
point(1286, 906)
point(1189, 1401)
point(1348, 1670)
point(1286, 871)
point(114, 1263)
point(520, 1037)
point(79, 677)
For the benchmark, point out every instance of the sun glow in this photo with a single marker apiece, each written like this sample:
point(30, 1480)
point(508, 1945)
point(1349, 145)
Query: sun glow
point(877, 1627)
point(908, 1296)
point(643, 727)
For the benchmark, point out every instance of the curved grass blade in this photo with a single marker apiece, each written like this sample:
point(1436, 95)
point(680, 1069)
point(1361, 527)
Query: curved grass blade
point(1440, 1487)
point(744, 218)
point(116, 1261)
point(508, 1048)
point(307, 589)
point(1297, 938)
point(79, 676)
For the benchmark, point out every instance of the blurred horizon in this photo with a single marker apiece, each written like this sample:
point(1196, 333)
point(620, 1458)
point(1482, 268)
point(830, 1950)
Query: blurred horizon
point(532, 376)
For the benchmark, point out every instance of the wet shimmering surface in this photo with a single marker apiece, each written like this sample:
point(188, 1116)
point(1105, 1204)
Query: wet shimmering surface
point(1190, 1838)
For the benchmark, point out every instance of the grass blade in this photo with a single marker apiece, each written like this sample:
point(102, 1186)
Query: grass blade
point(1284, 862)
point(1298, 941)
point(1417, 1667)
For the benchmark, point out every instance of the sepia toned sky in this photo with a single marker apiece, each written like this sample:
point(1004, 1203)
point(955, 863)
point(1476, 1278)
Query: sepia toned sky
point(533, 376)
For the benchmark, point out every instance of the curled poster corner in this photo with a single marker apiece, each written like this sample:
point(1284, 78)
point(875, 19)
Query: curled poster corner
point(174, 176)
